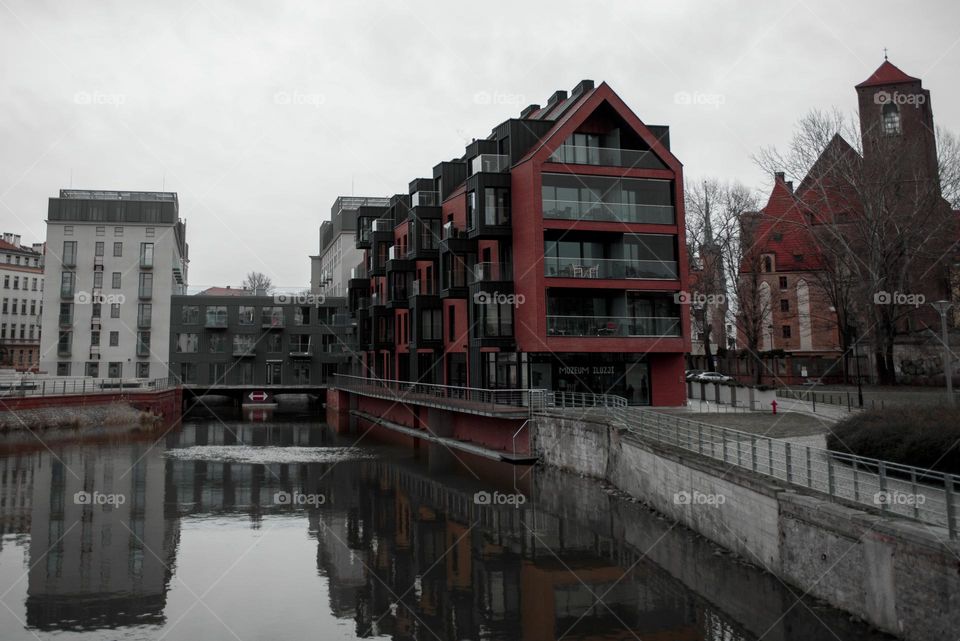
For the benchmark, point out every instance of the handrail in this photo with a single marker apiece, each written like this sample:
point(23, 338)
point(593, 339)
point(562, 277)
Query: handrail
point(34, 386)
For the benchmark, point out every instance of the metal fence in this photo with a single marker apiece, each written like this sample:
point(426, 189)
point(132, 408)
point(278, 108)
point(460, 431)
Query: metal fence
point(925, 495)
point(61, 386)
point(470, 399)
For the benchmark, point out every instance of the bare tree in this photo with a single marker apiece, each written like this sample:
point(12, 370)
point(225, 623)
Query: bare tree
point(721, 235)
point(258, 281)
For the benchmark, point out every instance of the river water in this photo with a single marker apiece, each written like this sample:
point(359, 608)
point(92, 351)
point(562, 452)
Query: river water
point(282, 530)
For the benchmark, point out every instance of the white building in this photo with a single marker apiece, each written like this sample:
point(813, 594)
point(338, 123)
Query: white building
point(114, 259)
point(330, 269)
point(21, 277)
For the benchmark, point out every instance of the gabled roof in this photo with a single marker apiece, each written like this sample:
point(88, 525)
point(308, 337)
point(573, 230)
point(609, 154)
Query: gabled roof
point(579, 112)
point(781, 228)
point(887, 74)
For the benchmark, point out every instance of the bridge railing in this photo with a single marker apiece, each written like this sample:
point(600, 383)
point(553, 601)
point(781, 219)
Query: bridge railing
point(921, 494)
point(23, 386)
point(492, 400)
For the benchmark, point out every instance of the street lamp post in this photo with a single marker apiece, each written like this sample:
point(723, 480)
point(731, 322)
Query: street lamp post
point(943, 306)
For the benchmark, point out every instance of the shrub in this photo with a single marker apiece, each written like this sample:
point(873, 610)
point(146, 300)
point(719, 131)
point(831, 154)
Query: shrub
point(919, 436)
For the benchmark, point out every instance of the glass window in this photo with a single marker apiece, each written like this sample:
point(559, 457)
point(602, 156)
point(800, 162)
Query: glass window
point(143, 370)
point(69, 253)
point(115, 310)
point(146, 255)
point(115, 280)
point(118, 249)
point(216, 316)
point(98, 248)
point(217, 342)
point(246, 315)
point(146, 285)
point(114, 339)
point(190, 315)
point(187, 343)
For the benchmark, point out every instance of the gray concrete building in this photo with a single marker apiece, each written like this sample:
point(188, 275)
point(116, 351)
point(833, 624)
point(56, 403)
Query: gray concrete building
point(330, 268)
point(114, 259)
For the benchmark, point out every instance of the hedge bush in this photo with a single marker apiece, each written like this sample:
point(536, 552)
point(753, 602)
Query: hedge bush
point(919, 436)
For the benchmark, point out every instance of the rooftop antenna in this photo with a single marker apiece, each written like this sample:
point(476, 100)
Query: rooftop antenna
point(352, 193)
point(163, 183)
point(71, 178)
point(884, 53)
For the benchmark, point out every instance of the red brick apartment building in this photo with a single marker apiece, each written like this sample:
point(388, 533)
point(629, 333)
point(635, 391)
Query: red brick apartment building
point(549, 255)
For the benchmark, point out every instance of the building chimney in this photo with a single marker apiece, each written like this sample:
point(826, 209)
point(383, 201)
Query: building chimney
point(789, 185)
point(556, 97)
point(529, 110)
point(582, 86)
point(778, 177)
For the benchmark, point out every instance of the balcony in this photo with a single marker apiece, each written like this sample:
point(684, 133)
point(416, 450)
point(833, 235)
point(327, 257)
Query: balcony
point(612, 268)
point(425, 199)
point(145, 293)
point(492, 273)
point(301, 349)
point(490, 163)
point(616, 326)
point(98, 263)
point(606, 157)
point(69, 259)
point(66, 320)
point(143, 348)
point(144, 322)
point(600, 211)
point(376, 300)
point(398, 260)
point(64, 349)
point(381, 225)
point(455, 240)
point(67, 291)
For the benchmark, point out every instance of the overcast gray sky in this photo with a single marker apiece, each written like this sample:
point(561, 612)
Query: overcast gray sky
point(261, 113)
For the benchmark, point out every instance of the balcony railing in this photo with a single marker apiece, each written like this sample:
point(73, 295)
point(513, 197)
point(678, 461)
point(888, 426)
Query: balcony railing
point(492, 163)
point(450, 230)
point(634, 326)
point(382, 224)
point(376, 299)
point(66, 320)
point(425, 199)
point(492, 272)
point(609, 268)
point(422, 287)
point(605, 156)
point(360, 271)
point(605, 211)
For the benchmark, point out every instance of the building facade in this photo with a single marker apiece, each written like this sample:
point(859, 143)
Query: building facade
point(331, 268)
point(236, 340)
point(21, 275)
point(114, 260)
point(550, 255)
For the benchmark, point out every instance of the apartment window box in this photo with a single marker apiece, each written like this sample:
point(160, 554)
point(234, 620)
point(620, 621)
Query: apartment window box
point(489, 211)
point(424, 239)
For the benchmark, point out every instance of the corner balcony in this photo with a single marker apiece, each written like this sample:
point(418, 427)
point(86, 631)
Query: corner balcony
point(490, 163)
point(610, 268)
point(455, 240)
point(614, 326)
point(600, 211)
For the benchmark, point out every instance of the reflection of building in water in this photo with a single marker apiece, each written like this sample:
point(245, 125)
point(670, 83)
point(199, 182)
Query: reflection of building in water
point(417, 555)
point(16, 493)
point(101, 549)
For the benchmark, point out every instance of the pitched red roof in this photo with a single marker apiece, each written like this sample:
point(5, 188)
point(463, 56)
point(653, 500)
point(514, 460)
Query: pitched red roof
point(887, 74)
point(782, 229)
point(225, 291)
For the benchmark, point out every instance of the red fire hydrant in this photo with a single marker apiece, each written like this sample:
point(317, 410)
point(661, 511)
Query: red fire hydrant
point(774, 404)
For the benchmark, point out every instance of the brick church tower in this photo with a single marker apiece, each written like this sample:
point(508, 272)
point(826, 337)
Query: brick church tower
point(896, 123)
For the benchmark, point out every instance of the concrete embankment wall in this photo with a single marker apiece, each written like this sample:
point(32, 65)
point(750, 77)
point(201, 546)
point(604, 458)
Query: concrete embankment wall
point(902, 577)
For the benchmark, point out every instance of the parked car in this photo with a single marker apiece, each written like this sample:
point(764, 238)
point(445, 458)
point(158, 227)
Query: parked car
point(692, 374)
point(713, 377)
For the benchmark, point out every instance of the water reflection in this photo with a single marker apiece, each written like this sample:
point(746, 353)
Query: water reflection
point(402, 549)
